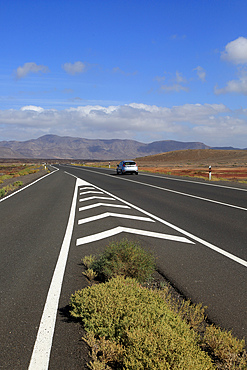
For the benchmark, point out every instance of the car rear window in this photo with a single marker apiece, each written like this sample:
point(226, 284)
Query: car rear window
point(130, 163)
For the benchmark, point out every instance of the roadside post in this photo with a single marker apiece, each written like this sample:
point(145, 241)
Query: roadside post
point(109, 164)
point(209, 173)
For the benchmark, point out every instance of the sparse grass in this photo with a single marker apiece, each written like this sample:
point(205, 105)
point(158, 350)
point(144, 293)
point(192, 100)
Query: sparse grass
point(2, 193)
point(6, 177)
point(6, 189)
point(14, 171)
point(18, 183)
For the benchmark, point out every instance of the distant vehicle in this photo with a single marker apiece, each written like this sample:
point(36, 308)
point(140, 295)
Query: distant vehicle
point(127, 167)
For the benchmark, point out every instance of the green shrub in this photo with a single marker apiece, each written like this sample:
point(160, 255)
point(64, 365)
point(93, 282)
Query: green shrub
point(226, 347)
point(90, 274)
point(125, 258)
point(2, 192)
point(6, 177)
point(192, 313)
point(27, 171)
point(88, 261)
point(148, 333)
point(18, 183)
point(132, 327)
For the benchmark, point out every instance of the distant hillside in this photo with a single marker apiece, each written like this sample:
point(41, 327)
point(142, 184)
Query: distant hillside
point(56, 147)
point(196, 157)
point(9, 153)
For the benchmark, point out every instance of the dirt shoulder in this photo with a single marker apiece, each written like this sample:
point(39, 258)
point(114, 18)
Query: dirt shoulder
point(10, 185)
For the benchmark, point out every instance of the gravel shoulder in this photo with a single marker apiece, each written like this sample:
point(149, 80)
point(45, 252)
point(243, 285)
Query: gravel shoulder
point(26, 180)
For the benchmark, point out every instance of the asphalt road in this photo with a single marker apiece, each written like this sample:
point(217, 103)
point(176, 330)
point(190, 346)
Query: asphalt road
point(197, 232)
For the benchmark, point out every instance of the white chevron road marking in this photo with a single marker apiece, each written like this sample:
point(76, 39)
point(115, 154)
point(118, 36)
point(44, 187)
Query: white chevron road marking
point(87, 188)
point(102, 204)
point(91, 192)
point(120, 229)
point(96, 197)
point(111, 214)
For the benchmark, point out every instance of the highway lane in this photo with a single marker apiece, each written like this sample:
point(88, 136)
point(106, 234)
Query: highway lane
point(198, 272)
point(219, 206)
point(32, 224)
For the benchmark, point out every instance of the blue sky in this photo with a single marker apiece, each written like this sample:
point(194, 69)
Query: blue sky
point(142, 70)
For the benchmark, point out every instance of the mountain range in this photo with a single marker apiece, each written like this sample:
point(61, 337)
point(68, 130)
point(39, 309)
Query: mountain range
point(57, 147)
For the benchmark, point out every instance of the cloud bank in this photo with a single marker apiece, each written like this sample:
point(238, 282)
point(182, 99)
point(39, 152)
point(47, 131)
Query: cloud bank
point(213, 124)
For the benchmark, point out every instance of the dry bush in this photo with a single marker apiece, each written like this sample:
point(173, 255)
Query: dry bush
point(137, 319)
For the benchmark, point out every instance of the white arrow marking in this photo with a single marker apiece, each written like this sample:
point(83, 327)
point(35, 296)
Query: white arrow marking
point(110, 214)
point(88, 187)
point(96, 197)
point(102, 204)
point(91, 192)
point(120, 229)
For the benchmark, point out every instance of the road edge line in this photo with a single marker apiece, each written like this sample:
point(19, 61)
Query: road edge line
point(42, 347)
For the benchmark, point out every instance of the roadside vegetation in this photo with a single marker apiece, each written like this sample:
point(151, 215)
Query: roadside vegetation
point(6, 189)
point(13, 171)
point(131, 322)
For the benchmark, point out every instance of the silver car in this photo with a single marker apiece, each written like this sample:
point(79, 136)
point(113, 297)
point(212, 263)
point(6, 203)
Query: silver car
point(127, 167)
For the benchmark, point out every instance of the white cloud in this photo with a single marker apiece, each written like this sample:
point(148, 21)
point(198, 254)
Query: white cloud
point(180, 78)
point(176, 84)
point(201, 73)
point(234, 86)
point(73, 69)
point(213, 124)
point(32, 108)
point(28, 68)
point(236, 51)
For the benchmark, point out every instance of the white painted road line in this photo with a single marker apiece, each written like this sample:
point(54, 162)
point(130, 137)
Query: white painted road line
point(119, 229)
point(102, 204)
point(96, 197)
point(177, 192)
point(110, 214)
point(195, 182)
point(84, 187)
point(91, 192)
point(42, 348)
